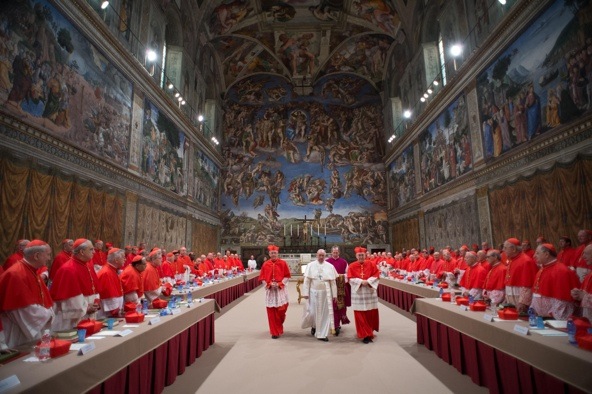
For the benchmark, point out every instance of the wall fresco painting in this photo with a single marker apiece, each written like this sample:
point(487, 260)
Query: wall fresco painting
point(206, 179)
point(52, 77)
point(164, 150)
point(402, 179)
point(543, 80)
point(365, 55)
point(445, 147)
point(298, 51)
point(240, 57)
point(335, 193)
point(377, 12)
point(228, 15)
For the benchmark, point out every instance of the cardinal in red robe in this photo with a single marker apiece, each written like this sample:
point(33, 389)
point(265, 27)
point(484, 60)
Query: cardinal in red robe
point(75, 289)
point(61, 258)
point(363, 278)
point(131, 279)
point(150, 276)
point(17, 255)
point(494, 288)
point(551, 291)
point(275, 275)
point(25, 304)
point(111, 289)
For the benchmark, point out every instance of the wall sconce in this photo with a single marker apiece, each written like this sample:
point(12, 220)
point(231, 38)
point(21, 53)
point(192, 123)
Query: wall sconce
point(104, 5)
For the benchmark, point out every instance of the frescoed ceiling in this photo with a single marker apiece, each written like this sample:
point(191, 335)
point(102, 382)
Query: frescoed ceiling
point(303, 40)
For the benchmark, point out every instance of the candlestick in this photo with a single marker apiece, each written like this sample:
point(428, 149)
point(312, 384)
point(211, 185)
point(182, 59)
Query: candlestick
point(290, 230)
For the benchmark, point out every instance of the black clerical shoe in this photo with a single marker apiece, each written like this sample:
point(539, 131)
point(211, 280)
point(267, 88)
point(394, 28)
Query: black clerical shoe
point(313, 331)
point(367, 340)
point(323, 339)
point(337, 330)
point(275, 336)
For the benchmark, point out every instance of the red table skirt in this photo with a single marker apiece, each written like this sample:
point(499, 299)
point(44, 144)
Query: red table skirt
point(485, 365)
point(251, 284)
point(397, 297)
point(226, 296)
point(160, 367)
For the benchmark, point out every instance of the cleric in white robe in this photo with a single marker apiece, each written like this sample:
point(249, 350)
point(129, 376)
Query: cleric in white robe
point(320, 289)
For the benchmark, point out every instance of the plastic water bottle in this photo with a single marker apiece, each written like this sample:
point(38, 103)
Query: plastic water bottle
point(144, 306)
point(189, 299)
point(44, 347)
point(532, 317)
point(441, 292)
point(471, 300)
point(571, 331)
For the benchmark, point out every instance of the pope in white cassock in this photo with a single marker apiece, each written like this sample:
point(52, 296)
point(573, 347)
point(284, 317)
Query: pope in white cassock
point(320, 290)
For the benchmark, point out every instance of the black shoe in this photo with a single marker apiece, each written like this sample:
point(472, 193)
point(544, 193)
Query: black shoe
point(367, 340)
point(337, 330)
point(324, 339)
point(275, 336)
point(313, 331)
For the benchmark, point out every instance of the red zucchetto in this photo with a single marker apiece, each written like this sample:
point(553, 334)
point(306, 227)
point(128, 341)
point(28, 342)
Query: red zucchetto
point(550, 248)
point(79, 242)
point(514, 241)
point(113, 250)
point(35, 242)
point(137, 258)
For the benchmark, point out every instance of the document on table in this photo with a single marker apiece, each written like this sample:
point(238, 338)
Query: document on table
point(548, 332)
point(556, 323)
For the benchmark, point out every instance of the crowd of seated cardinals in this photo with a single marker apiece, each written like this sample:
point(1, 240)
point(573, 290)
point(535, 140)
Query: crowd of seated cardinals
point(91, 280)
point(554, 280)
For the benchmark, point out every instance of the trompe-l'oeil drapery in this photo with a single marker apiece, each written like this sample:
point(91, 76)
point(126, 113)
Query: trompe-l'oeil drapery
point(52, 207)
point(551, 204)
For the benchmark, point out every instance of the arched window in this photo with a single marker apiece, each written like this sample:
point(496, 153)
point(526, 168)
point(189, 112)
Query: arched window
point(172, 50)
point(442, 59)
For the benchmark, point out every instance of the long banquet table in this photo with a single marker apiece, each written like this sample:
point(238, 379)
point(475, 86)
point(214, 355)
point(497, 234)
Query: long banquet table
point(252, 280)
point(144, 361)
point(403, 294)
point(499, 358)
point(227, 290)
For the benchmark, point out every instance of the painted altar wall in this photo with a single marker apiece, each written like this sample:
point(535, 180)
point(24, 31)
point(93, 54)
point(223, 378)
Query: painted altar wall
point(291, 157)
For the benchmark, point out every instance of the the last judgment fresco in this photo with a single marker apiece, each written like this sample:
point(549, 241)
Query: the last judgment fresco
point(303, 169)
